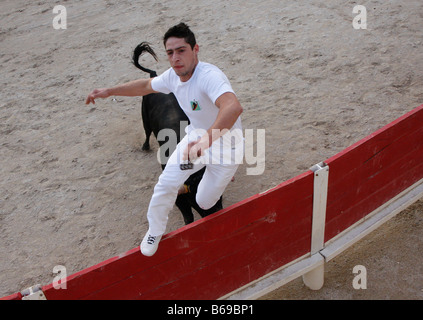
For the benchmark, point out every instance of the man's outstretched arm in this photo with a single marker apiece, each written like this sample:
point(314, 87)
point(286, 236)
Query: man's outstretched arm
point(134, 88)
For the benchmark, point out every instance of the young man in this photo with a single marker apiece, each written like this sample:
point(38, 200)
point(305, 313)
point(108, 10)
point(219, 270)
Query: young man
point(207, 98)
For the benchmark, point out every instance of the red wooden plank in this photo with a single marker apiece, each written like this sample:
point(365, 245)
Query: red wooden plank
point(371, 147)
point(211, 251)
point(342, 176)
point(378, 151)
point(214, 284)
point(222, 257)
point(209, 286)
point(364, 185)
point(373, 171)
point(390, 132)
point(199, 245)
point(15, 296)
point(367, 176)
point(354, 213)
point(350, 212)
point(198, 284)
point(347, 163)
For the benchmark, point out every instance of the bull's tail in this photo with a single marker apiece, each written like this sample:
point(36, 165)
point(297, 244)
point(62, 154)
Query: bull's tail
point(139, 50)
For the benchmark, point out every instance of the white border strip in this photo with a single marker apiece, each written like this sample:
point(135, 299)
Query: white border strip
point(276, 279)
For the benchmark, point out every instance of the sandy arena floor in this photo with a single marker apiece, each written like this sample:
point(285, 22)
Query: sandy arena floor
point(75, 183)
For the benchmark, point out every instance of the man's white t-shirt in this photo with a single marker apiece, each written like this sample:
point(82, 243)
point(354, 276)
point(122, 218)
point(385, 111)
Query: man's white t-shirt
point(198, 95)
point(197, 98)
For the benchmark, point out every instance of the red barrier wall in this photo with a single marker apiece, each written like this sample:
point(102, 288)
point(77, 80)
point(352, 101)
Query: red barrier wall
point(211, 257)
point(15, 296)
point(229, 249)
point(374, 170)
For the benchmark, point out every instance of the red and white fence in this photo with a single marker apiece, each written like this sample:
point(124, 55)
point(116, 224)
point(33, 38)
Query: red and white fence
point(263, 242)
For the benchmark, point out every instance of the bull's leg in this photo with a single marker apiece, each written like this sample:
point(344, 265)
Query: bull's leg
point(190, 188)
point(146, 145)
point(146, 123)
point(184, 206)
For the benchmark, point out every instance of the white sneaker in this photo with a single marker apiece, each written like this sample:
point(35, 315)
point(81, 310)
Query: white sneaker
point(149, 245)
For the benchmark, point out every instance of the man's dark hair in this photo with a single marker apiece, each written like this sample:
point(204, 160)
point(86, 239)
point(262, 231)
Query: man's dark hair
point(181, 31)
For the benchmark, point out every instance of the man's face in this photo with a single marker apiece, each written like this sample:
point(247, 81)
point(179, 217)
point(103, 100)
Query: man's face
point(182, 58)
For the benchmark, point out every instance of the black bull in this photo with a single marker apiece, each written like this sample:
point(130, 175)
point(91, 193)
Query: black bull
point(162, 111)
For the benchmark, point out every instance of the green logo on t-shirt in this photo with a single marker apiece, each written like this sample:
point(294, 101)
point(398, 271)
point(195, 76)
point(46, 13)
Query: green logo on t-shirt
point(195, 106)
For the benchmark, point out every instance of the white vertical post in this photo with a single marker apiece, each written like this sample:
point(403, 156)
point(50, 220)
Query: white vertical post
point(320, 195)
point(315, 278)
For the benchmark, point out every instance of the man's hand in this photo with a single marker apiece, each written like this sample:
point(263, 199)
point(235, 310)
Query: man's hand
point(195, 150)
point(97, 93)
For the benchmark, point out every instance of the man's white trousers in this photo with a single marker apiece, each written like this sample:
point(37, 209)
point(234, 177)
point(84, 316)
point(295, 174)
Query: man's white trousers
point(211, 187)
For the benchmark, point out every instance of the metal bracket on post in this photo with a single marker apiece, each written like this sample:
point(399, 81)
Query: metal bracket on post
point(315, 278)
point(33, 293)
